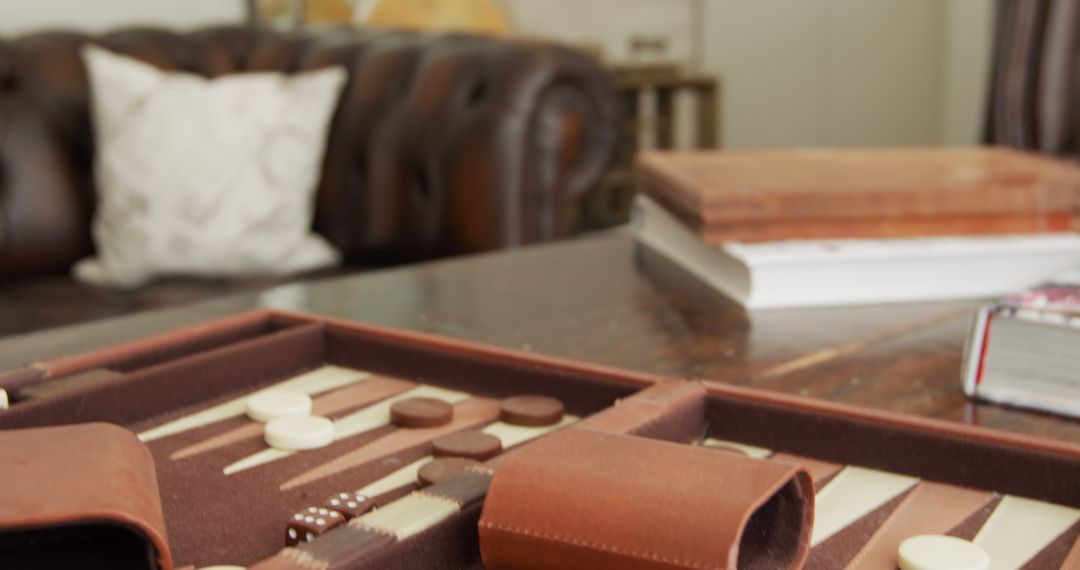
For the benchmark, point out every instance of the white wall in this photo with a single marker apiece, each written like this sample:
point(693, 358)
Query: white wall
point(24, 16)
point(769, 55)
point(966, 70)
point(795, 72)
point(810, 72)
point(609, 23)
point(850, 72)
point(882, 72)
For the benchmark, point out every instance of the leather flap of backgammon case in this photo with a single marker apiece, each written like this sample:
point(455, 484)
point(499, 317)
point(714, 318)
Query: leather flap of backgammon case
point(82, 496)
point(291, 441)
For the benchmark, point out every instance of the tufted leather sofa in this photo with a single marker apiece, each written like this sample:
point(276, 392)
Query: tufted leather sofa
point(440, 145)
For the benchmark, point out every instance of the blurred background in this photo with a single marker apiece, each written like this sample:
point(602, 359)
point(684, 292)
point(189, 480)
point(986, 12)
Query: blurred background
point(789, 72)
point(731, 74)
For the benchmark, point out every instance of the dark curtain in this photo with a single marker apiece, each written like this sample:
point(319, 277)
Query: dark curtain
point(1035, 89)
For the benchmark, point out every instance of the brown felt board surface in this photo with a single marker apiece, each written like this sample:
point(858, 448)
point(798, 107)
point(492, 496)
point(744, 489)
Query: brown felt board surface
point(1055, 553)
point(924, 454)
point(841, 548)
point(1050, 557)
point(932, 457)
point(684, 422)
point(203, 517)
point(840, 440)
point(970, 527)
point(468, 373)
point(215, 339)
point(240, 519)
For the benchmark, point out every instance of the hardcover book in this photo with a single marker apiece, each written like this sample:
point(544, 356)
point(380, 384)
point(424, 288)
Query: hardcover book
point(802, 273)
point(1023, 349)
point(749, 196)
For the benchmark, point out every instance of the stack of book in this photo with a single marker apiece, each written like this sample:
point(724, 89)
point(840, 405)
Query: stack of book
point(831, 227)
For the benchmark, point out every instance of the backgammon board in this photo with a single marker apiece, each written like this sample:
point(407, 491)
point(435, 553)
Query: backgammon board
point(412, 429)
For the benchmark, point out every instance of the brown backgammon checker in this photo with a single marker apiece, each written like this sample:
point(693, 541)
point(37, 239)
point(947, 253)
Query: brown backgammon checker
point(443, 469)
point(421, 412)
point(468, 444)
point(532, 410)
point(467, 414)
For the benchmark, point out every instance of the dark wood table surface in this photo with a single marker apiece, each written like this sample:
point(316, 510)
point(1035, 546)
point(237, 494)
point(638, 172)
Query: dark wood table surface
point(604, 300)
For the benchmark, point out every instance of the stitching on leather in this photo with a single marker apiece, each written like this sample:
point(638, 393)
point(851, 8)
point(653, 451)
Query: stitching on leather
point(598, 546)
point(304, 559)
point(440, 498)
point(481, 470)
point(361, 525)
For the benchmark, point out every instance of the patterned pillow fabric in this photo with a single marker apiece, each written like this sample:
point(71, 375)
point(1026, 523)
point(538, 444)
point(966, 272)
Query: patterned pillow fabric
point(206, 177)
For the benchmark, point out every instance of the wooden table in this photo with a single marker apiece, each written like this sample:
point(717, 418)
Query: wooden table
point(602, 299)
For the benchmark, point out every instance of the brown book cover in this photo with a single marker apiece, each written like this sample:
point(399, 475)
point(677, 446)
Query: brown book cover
point(865, 193)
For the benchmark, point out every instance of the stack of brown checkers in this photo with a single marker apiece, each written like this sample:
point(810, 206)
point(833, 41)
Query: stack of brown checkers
point(468, 444)
point(533, 411)
point(443, 468)
point(421, 413)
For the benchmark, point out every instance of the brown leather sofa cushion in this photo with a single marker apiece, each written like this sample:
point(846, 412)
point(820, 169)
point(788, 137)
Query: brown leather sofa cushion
point(440, 144)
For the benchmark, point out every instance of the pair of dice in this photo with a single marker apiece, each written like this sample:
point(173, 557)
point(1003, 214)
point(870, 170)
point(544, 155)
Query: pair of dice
point(305, 525)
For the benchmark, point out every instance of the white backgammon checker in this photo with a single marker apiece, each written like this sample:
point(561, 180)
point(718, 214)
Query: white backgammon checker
point(3, 400)
point(298, 433)
point(318, 381)
point(940, 552)
point(369, 418)
point(274, 404)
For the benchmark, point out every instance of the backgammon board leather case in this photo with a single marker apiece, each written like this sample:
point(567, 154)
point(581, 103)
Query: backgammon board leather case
point(240, 518)
point(772, 195)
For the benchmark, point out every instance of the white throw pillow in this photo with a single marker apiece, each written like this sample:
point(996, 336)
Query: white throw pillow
point(208, 177)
